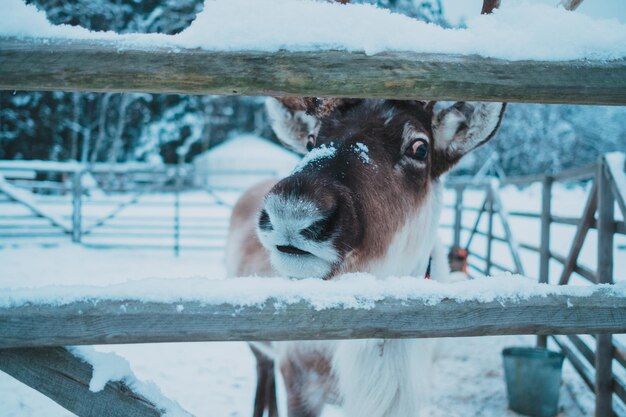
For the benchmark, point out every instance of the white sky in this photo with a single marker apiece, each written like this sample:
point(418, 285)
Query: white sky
point(454, 9)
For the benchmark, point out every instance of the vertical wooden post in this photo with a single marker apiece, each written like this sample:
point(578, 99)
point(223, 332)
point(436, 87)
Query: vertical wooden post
point(77, 205)
point(604, 343)
point(544, 254)
point(458, 217)
point(546, 220)
point(489, 231)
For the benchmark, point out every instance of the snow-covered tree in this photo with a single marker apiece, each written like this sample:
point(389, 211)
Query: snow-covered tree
point(121, 127)
point(536, 138)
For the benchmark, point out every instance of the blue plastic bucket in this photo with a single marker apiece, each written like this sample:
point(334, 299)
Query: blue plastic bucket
point(533, 380)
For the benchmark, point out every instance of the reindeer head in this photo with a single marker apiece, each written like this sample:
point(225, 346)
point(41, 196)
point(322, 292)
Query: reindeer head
point(366, 195)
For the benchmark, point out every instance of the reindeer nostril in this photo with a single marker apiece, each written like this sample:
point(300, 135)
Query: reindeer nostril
point(322, 229)
point(264, 221)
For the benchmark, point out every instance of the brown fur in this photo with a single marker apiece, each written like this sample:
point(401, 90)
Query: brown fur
point(245, 254)
point(367, 222)
point(363, 204)
point(308, 375)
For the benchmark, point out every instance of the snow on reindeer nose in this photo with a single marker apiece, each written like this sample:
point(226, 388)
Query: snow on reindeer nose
point(316, 155)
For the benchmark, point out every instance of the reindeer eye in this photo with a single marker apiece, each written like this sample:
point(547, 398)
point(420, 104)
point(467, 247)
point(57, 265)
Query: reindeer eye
point(310, 143)
point(418, 150)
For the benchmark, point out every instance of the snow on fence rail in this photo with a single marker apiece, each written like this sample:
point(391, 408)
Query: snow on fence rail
point(88, 383)
point(86, 65)
point(280, 309)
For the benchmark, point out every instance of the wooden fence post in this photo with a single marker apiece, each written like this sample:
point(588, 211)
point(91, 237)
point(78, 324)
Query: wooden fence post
point(604, 343)
point(458, 217)
point(544, 254)
point(77, 205)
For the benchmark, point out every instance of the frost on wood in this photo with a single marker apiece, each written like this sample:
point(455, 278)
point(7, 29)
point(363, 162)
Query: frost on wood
point(64, 377)
point(254, 309)
point(272, 25)
point(110, 367)
point(106, 367)
point(351, 291)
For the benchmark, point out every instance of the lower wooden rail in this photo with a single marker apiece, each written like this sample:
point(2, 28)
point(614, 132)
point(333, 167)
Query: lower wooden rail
point(61, 376)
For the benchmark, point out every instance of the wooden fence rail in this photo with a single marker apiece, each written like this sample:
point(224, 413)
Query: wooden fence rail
point(113, 322)
point(80, 65)
point(59, 375)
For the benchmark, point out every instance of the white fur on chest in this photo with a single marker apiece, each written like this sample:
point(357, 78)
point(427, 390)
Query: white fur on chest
point(413, 243)
point(384, 377)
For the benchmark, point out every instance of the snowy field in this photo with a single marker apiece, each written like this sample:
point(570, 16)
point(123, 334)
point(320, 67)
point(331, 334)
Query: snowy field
point(217, 379)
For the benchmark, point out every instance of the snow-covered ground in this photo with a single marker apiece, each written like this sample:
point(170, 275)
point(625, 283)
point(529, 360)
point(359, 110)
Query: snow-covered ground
point(217, 379)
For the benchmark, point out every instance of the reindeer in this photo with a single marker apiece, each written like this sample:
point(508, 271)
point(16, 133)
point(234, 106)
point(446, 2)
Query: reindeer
point(366, 197)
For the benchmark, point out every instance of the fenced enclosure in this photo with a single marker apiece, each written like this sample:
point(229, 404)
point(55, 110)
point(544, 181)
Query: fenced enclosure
point(479, 225)
point(30, 347)
point(109, 209)
point(591, 356)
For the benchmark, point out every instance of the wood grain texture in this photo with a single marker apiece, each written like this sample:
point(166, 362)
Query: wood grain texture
point(78, 65)
point(61, 376)
point(107, 322)
point(604, 345)
point(544, 249)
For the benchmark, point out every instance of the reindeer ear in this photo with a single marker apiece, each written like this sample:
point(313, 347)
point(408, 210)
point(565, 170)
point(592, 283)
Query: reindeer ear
point(291, 122)
point(461, 128)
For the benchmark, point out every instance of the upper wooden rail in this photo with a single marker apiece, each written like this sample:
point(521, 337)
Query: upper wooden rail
point(111, 322)
point(80, 65)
